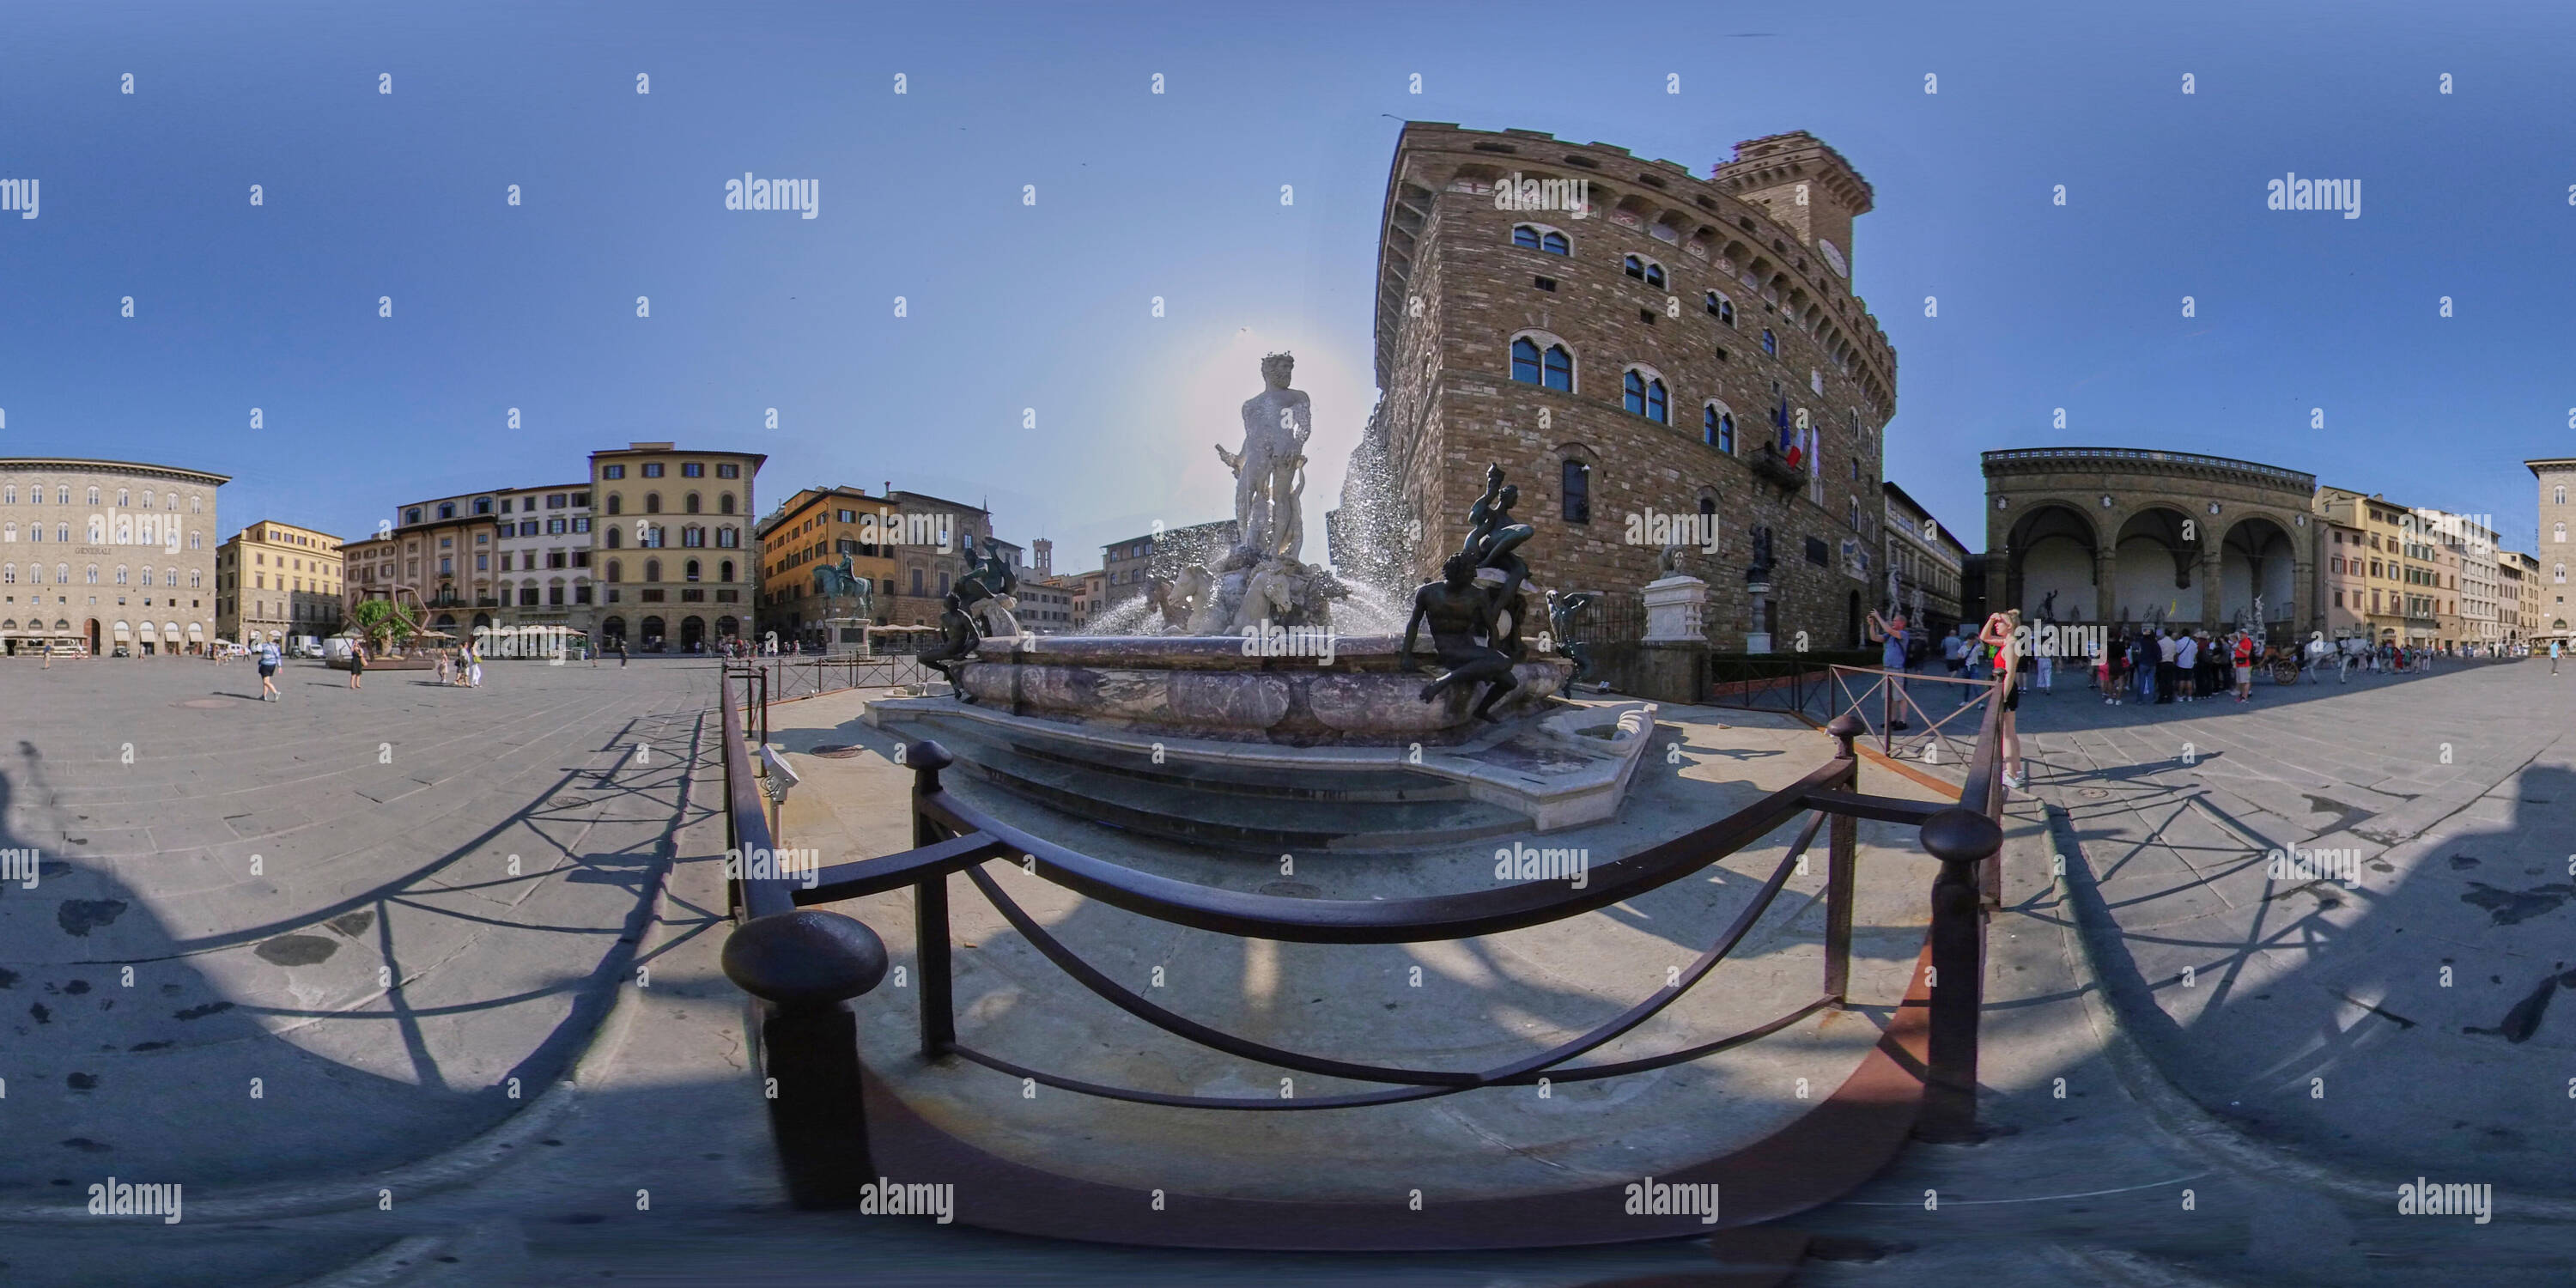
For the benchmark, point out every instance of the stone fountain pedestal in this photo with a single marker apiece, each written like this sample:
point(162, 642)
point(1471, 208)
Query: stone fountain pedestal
point(1213, 687)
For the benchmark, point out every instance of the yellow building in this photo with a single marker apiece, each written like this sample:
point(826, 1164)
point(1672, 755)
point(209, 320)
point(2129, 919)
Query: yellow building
point(813, 530)
point(276, 580)
point(671, 543)
point(2401, 567)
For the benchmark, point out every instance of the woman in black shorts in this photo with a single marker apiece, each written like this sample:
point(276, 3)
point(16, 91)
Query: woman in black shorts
point(2001, 634)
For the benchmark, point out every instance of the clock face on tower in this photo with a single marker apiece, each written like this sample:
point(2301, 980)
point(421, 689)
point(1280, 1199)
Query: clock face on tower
point(1834, 256)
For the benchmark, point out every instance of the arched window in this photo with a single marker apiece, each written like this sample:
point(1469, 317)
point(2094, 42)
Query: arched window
point(724, 502)
point(1770, 342)
point(692, 570)
point(616, 503)
point(1535, 237)
point(1644, 270)
point(616, 537)
point(93, 496)
point(1721, 308)
point(196, 579)
point(729, 537)
point(616, 570)
point(2559, 574)
point(691, 505)
point(693, 536)
point(1643, 394)
point(2560, 496)
point(122, 499)
point(1551, 367)
point(1575, 491)
point(447, 509)
point(652, 503)
point(652, 570)
point(1718, 424)
point(725, 568)
point(2558, 532)
point(120, 574)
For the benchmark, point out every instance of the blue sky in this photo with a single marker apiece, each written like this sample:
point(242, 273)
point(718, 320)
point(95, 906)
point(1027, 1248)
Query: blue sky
point(1015, 307)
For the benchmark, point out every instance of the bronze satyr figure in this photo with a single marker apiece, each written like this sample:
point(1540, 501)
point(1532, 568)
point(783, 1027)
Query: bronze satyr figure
point(1461, 614)
point(957, 640)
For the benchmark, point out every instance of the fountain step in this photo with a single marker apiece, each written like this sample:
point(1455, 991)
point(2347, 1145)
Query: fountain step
point(1301, 783)
point(1260, 824)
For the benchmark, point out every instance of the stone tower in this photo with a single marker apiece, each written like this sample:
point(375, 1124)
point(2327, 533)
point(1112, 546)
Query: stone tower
point(1805, 186)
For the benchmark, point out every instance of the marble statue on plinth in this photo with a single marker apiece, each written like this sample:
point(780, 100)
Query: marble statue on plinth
point(1269, 471)
point(1259, 582)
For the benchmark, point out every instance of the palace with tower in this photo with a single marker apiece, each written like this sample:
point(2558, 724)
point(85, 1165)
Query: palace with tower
point(1669, 344)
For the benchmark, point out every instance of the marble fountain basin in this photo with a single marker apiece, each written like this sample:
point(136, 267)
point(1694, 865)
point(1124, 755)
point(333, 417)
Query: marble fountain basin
point(1228, 689)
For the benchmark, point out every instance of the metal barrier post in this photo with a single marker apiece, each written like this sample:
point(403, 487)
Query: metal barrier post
point(805, 966)
point(1960, 837)
point(930, 910)
point(1841, 867)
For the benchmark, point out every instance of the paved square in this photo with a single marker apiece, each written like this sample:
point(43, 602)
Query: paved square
point(2384, 992)
point(274, 941)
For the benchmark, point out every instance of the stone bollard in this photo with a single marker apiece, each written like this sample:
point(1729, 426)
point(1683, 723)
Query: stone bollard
point(805, 965)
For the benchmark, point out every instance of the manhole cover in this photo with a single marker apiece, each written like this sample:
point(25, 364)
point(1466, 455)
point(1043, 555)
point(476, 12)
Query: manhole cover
point(208, 704)
point(1291, 890)
point(835, 751)
point(2093, 793)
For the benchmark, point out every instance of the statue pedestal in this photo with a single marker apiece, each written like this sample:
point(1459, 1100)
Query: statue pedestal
point(1674, 606)
point(1672, 659)
point(1758, 638)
